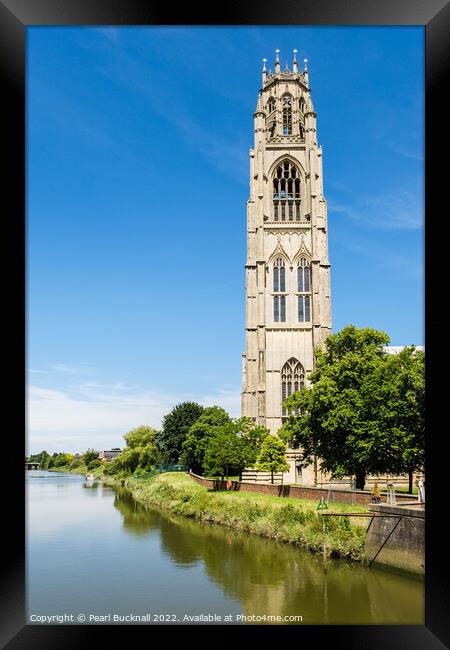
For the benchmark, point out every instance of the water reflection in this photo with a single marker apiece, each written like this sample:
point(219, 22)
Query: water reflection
point(91, 485)
point(278, 579)
point(136, 519)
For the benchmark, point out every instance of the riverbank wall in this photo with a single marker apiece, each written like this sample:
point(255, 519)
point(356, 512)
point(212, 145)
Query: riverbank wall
point(396, 537)
point(357, 497)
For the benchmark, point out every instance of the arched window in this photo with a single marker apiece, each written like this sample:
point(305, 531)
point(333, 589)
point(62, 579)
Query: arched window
point(292, 380)
point(286, 192)
point(303, 275)
point(304, 290)
point(279, 287)
point(302, 105)
point(279, 275)
point(271, 117)
point(287, 114)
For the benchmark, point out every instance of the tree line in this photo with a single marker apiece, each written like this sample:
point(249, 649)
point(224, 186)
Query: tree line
point(362, 413)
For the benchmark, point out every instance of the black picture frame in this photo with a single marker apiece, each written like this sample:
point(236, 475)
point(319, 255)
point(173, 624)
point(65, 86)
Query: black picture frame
point(15, 17)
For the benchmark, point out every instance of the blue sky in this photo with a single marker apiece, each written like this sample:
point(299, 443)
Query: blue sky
point(137, 180)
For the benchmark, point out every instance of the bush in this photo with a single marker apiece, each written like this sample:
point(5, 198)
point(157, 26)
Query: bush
point(94, 463)
point(111, 468)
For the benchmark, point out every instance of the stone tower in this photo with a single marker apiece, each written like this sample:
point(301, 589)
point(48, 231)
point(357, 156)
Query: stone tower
point(288, 308)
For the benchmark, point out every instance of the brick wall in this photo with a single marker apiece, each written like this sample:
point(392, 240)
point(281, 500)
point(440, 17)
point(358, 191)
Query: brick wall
point(295, 491)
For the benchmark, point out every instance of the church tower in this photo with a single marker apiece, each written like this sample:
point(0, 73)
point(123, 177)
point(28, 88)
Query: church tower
point(288, 308)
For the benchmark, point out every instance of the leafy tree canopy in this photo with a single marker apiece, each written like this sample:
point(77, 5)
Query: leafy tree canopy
point(89, 455)
point(176, 425)
point(140, 436)
point(210, 421)
point(272, 457)
point(364, 410)
point(225, 451)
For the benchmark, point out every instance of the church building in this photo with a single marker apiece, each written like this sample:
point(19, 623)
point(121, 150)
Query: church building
point(288, 298)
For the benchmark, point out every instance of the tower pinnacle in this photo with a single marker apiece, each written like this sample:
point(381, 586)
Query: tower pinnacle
point(294, 64)
point(277, 62)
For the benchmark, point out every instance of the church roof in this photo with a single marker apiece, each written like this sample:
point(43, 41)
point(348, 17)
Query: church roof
point(395, 349)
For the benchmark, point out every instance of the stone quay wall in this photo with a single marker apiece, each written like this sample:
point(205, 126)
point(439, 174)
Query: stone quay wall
point(396, 537)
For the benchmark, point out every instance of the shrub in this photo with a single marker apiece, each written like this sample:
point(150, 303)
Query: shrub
point(94, 463)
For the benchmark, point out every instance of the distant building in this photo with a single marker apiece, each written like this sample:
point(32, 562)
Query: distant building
point(395, 349)
point(109, 454)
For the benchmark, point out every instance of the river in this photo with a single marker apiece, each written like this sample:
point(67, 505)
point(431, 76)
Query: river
point(92, 551)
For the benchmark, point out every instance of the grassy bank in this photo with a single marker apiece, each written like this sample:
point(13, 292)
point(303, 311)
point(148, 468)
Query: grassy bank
point(81, 469)
point(293, 521)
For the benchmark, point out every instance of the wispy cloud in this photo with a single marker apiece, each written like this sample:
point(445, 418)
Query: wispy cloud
point(71, 369)
point(406, 152)
point(393, 210)
point(383, 257)
point(97, 415)
point(227, 156)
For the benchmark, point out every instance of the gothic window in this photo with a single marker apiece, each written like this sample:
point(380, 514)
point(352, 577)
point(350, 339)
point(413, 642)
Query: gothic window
point(302, 105)
point(304, 309)
point(271, 105)
point(279, 275)
point(286, 192)
point(292, 380)
point(303, 272)
point(304, 290)
point(279, 286)
point(282, 309)
point(287, 114)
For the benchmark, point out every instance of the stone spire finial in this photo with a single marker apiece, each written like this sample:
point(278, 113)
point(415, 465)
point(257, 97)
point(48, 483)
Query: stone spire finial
point(294, 64)
point(264, 71)
point(305, 70)
point(277, 62)
point(309, 105)
point(259, 106)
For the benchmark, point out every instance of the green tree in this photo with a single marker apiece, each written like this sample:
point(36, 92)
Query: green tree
point(92, 464)
point(272, 457)
point(128, 460)
point(42, 458)
point(176, 425)
point(253, 436)
point(225, 451)
point(401, 407)
point(89, 455)
point(355, 417)
point(140, 436)
point(141, 452)
point(62, 460)
point(210, 421)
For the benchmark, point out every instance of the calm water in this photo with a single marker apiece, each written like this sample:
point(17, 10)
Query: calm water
point(92, 550)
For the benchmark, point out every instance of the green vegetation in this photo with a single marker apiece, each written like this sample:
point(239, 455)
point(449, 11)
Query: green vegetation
point(364, 412)
point(176, 425)
point(294, 521)
point(140, 454)
point(41, 458)
point(273, 456)
point(218, 445)
point(210, 422)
